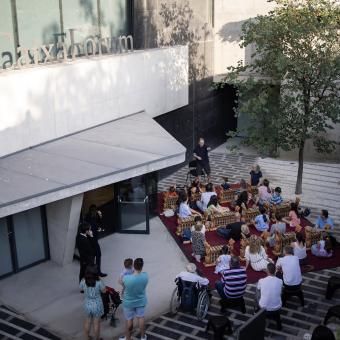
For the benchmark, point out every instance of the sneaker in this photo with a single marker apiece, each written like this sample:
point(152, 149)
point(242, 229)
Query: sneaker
point(143, 337)
point(122, 338)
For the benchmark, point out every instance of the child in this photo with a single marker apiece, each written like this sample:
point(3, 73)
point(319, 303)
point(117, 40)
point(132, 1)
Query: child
point(225, 185)
point(293, 218)
point(323, 248)
point(172, 191)
point(223, 261)
point(262, 221)
point(276, 198)
point(128, 270)
point(255, 175)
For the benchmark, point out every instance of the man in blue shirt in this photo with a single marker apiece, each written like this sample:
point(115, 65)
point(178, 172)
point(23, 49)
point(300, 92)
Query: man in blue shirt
point(323, 220)
point(134, 299)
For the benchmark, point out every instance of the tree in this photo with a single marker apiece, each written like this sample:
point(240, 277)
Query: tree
point(291, 88)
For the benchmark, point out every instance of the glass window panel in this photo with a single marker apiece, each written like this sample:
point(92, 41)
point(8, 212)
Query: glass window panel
point(38, 21)
point(29, 237)
point(113, 18)
point(7, 44)
point(5, 250)
point(82, 16)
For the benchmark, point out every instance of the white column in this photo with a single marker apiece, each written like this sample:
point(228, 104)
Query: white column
point(62, 224)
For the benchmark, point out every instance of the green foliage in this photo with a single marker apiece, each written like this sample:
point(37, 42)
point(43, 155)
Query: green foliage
point(291, 89)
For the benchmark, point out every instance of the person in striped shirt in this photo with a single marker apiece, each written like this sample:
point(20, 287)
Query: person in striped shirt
point(276, 198)
point(233, 282)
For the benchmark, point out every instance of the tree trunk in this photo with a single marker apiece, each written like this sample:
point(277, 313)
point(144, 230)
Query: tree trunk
point(298, 187)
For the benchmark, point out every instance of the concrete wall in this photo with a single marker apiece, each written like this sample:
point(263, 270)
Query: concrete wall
point(43, 103)
point(62, 222)
point(228, 19)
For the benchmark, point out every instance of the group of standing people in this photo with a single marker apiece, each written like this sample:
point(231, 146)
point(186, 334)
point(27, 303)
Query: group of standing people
point(132, 279)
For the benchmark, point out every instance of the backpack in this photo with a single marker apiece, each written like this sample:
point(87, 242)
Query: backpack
point(188, 296)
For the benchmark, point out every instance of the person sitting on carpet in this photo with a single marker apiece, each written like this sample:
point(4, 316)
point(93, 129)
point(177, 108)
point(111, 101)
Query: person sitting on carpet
point(184, 209)
point(191, 276)
point(293, 217)
point(323, 248)
point(198, 220)
point(245, 232)
point(255, 254)
point(242, 201)
point(225, 185)
point(233, 282)
point(262, 220)
point(243, 186)
point(172, 192)
point(198, 242)
point(264, 194)
point(278, 226)
point(213, 206)
point(290, 268)
point(255, 175)
point(205, 197)
point(232, 230)
point(324, 220)
point(276, 198)
point(299, 247)
point(223, 261)
point(192, 197)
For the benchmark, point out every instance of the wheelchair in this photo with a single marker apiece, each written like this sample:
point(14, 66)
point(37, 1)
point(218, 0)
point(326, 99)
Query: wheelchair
point(199, 303)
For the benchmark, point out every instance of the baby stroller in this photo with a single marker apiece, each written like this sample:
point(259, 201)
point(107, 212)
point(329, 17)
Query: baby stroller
point(111, 301)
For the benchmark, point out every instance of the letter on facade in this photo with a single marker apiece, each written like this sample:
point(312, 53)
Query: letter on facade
point(47, 52)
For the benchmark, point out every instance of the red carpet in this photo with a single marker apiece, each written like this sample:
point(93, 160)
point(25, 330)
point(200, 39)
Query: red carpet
point(213, 239)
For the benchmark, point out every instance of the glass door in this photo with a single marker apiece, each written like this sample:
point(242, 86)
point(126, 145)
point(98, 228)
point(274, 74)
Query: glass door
point(6, 263)
point(133, 205)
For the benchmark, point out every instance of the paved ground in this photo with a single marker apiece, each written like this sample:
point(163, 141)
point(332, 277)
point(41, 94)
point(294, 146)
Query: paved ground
point(48, 294)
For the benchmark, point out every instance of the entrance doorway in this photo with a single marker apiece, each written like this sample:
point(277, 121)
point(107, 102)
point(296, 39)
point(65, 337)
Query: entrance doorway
point(126, 206)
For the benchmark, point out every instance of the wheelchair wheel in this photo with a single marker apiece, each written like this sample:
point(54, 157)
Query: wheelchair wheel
point(202, 305)
point(175, 302)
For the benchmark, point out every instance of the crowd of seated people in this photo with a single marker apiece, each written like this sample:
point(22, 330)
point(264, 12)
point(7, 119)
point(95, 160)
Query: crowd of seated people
point(202, 201)
point(285, 272)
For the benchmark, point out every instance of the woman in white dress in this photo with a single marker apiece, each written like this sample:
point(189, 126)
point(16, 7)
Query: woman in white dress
point(256, 255)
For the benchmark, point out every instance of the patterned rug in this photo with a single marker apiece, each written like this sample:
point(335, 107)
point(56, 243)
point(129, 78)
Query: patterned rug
point(314, 263)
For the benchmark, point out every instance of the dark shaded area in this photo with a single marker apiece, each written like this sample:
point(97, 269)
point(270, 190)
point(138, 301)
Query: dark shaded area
point(213, 117)
point(209, 112)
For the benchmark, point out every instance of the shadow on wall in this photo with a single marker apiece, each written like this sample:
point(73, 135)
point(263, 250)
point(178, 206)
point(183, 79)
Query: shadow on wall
point(231, 33)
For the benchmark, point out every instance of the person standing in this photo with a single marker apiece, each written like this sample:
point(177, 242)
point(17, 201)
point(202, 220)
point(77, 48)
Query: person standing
point(202, 158)
point(270, 289)
point(290, 267)
point(92, 287)
point(93, 217)
point(85, 248)
point(134, 299)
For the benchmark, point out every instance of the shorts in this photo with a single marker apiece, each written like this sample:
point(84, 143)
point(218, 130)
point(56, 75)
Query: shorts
point(203, 166)
point(131, 313)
